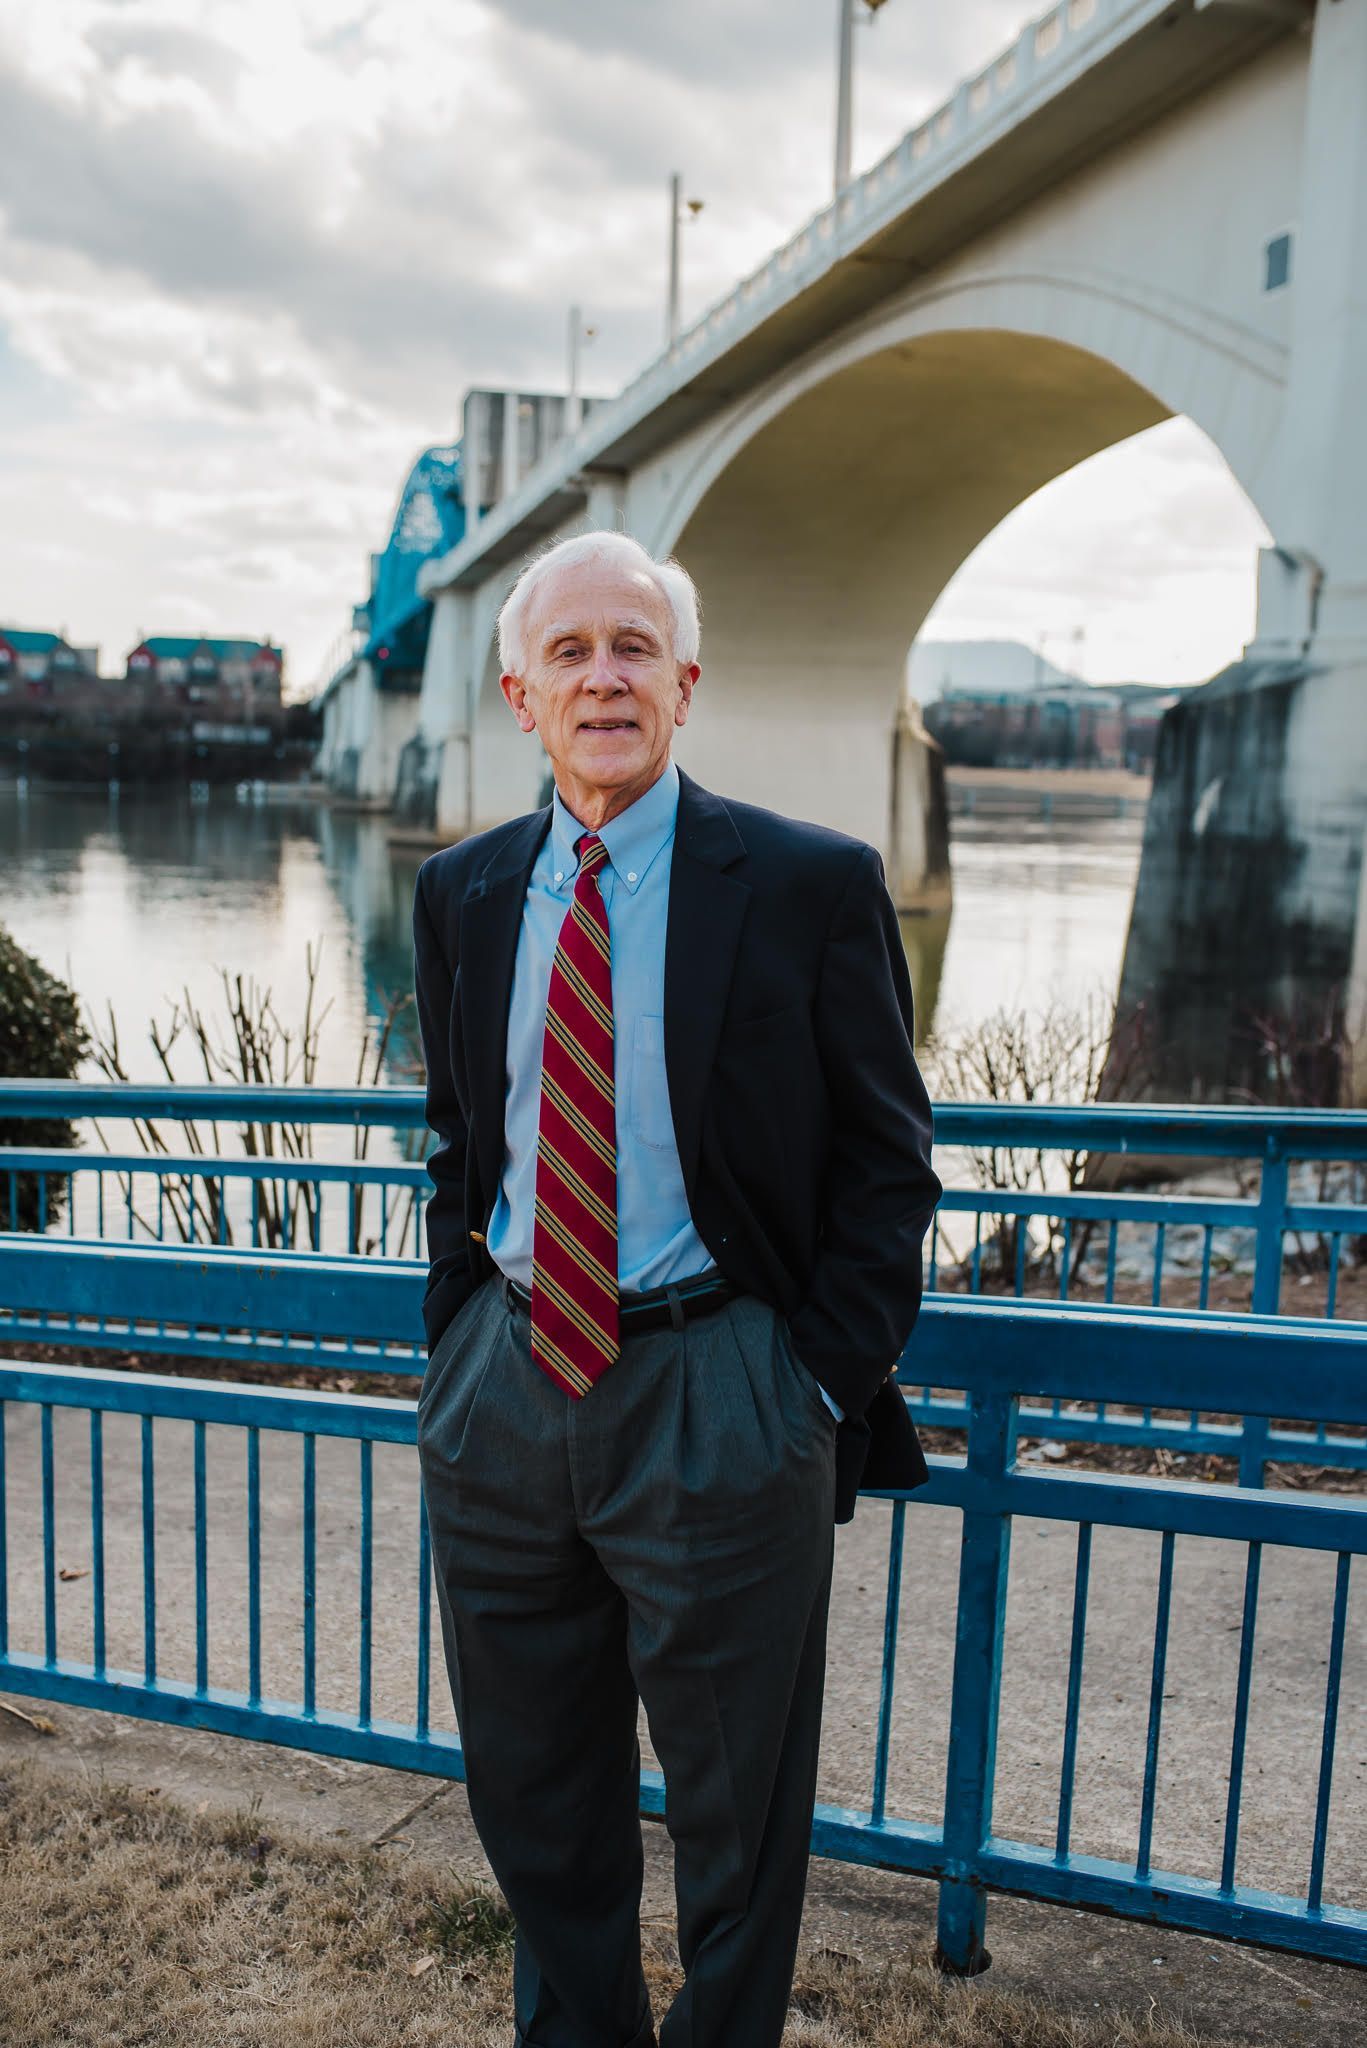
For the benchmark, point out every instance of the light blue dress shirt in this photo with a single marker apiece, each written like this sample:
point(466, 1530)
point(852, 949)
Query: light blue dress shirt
point(656, 1240)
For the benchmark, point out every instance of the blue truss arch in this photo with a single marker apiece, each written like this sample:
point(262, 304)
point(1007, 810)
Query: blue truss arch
point(429, 519)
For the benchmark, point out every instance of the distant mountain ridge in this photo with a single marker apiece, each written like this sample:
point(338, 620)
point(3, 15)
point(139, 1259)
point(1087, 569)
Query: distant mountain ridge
point(986, 668)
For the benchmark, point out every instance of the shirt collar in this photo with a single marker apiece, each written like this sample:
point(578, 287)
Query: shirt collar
point(633, 838)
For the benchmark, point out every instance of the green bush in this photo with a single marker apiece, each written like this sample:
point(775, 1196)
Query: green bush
point(41, 1039)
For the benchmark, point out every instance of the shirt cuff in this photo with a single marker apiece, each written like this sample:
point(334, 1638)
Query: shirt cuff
point(838, 1413)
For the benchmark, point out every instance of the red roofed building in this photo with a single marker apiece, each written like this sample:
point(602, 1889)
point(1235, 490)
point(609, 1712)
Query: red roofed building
point(196, 669)
point(41, 665)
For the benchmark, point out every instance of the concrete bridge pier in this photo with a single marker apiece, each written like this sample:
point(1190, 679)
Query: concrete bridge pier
point(364, 730)
point(804, 734)
point(918, 821)
point(434, 783)
point(1250, 915)
point(332, 764)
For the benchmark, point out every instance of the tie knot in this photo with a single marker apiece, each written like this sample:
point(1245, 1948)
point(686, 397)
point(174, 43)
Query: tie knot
point(591, 851)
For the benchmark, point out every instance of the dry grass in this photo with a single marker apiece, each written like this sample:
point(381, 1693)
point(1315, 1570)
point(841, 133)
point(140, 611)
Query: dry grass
point(125, 1920)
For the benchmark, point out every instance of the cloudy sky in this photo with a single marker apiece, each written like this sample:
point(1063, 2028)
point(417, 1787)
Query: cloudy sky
point(252, 252)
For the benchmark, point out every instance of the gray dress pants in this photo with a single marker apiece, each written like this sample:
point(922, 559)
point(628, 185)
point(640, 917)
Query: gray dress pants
point(669, 1539)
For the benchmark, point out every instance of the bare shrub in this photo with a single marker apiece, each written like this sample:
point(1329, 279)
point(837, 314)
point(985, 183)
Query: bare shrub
point(253, 1045)
point(1310, 1053)
point(1055, 1055)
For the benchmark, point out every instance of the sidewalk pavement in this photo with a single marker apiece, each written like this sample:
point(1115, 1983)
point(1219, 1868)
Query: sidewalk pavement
point(1250, 1996)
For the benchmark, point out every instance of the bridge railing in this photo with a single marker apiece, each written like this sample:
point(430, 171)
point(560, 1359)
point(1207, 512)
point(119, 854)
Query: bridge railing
point(1050, 54)
point(253, 1559)
point(1045, 55)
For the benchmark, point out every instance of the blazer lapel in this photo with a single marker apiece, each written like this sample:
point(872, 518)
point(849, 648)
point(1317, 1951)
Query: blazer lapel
point(707, 909)
point(491, 917)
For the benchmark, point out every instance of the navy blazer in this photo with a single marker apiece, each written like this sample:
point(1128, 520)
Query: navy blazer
point(803, 1125)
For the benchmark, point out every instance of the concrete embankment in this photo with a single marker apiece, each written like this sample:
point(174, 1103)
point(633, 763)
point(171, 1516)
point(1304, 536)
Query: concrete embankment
point(1046, 792)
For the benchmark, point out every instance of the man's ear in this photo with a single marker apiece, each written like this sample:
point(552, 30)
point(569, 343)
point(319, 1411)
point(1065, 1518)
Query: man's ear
point(687, 678)
point(515, 692)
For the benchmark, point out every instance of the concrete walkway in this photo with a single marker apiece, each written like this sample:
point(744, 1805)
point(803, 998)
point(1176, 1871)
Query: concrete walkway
point(1076, 1958)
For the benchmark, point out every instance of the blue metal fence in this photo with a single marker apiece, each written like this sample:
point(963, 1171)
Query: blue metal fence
point(1091, 1359)
point(283, 1197)
point(293, 1199)
point(152, 1299)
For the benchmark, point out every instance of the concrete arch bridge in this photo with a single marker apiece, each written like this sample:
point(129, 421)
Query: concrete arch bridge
point(1143, 208)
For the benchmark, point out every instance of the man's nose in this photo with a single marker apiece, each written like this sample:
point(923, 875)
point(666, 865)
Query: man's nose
point(602, 674)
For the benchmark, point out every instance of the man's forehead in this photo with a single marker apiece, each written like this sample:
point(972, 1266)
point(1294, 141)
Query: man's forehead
point(578, 596)
point(629, 620)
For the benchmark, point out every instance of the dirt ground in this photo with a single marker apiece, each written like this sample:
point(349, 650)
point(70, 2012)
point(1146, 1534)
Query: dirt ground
point(1230, 1293)
point(127, 1918)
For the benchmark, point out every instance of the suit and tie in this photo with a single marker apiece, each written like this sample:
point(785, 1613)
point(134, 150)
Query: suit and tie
point(668, 1536)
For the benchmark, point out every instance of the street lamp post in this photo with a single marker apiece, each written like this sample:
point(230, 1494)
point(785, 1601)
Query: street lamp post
point(578, 335)
point(672, 310)
point(844, 93)
point(677, 204)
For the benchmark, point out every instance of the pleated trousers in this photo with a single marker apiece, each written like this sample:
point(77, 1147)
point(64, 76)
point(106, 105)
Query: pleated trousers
point(667, 1539)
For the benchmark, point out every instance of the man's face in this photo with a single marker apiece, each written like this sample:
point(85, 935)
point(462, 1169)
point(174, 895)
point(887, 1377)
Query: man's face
point(602, 686)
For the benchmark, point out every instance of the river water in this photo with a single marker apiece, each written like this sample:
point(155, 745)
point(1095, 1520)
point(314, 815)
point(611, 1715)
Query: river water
point(145, 902)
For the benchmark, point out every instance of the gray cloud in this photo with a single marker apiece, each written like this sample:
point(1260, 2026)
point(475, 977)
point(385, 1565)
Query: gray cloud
point(728, 47)
point(220, 308)
point(167, 48)
point(161, 202)
point(443, 267)
point(714, 42)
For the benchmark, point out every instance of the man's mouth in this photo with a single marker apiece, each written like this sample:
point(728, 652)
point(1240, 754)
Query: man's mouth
point(607, 724)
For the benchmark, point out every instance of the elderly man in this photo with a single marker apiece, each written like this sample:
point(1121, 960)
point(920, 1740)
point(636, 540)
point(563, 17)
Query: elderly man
point(675, 1243)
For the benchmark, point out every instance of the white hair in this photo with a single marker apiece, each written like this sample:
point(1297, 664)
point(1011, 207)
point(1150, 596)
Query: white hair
point(674, 584)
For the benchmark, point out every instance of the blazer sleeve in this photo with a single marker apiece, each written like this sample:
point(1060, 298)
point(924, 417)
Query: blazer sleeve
point(449, 1280)
point(880, 1190)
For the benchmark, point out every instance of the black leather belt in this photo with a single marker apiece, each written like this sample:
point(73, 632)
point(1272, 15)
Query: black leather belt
point(658, 1308)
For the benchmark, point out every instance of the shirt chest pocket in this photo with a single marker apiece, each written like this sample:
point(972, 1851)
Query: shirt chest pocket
point(649, 1116)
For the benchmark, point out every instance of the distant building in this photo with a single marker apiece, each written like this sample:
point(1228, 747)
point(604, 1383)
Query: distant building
point(197, 669)
point(996, 704)
point(1073, 725)
point(39, 665)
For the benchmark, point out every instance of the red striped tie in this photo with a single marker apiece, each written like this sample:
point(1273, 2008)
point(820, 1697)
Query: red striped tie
point(574, 1237)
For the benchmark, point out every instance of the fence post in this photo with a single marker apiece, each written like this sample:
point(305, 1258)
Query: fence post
point(984, 1553)
point(1267, 1291)
point(1267, 1266)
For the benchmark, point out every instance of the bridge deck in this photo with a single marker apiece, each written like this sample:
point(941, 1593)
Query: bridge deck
point(1075, 83)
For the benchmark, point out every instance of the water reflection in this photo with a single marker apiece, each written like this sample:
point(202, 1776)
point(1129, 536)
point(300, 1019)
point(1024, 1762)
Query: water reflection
point(144, 900)
point(926, 939)
point(141, 900)
point(1041, 909)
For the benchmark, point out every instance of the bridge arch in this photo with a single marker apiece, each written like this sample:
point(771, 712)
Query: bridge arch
point(823, 517)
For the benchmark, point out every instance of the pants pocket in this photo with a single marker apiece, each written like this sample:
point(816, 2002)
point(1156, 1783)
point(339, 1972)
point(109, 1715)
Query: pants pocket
point(810, 1384)
point(448, 1345)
